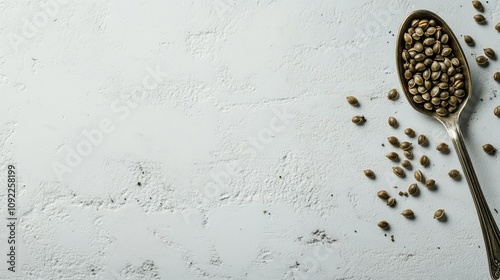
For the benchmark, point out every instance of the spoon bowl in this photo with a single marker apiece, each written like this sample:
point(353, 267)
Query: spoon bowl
point(459, 53)
point(489, 228)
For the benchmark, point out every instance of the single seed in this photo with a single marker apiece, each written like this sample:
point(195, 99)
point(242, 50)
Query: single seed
point(454, 174)
point(480, 19)
point(410, 132)
point(481, 60)
point(383, 194)
point(489, 149)
point(413, 189)
point(489, 53)
point(439, 214)
point(393, 94)
point(399, 171)
point(424, 160)
point(408, 213)
point(414, 23)
point(422, 140)
point(392, 156)
point(393, 122)
point(406, 164)
point(424, 23)
point(383, 225)
point(418, 175)
point(446, 52)
point(391, 202)
point(369, 173)
point(444, 38)
point(441, 112)
point(352, 100)
point(477, 5)
point(429, 41)
point(497, 27)
point(408, 154)
point(408, 38)
point(430, 183)
point(496, 111)
point(468, 40)
point(405, 146)
point(496, 76)
point(393, 140)
point(358, 120)
point(442, 147)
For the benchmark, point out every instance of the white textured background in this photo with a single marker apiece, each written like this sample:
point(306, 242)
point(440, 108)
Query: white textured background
point(228, 190)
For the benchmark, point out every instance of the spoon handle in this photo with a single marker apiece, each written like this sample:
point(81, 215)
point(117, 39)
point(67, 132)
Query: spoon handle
point(490, 230)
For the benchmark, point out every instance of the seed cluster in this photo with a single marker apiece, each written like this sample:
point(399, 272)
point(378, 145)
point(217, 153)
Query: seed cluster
point(405, 166)
point(433, 73)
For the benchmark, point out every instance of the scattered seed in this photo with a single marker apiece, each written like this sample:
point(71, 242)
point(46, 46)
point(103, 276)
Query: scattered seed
point(358, 120)
point(489, 149)
point(392, 122)
point(413, 189)
point(422, 140)
point(477, 5)
point(454, 174)
point(401, 193)
point(439, 214)
point(419, 176)
point(399, 171)
point(410, 132)
point(383, 194)
point(496, 111)
point(480, 19)
point(391, 202)
point(481, 60)
point(393, 94)
point(424, 160)
point(442, 147)
point(383, 225)
point(430, 183)
point(406, 164)
point(405, 146)
point(408, 154)
point(497, 27)
point(352, 100)
point(392, 156)
point(392, 237)
point(369, 173)
point(489, 53)
point(468, 40)
point(496, 76)
point(408, 213)
point(393, 140)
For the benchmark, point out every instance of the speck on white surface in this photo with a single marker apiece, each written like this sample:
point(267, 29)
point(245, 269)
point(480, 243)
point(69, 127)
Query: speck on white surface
point(212, 140)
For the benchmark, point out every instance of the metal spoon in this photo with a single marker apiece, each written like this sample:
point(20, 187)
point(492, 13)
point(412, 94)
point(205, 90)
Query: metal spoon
point(490, 230)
